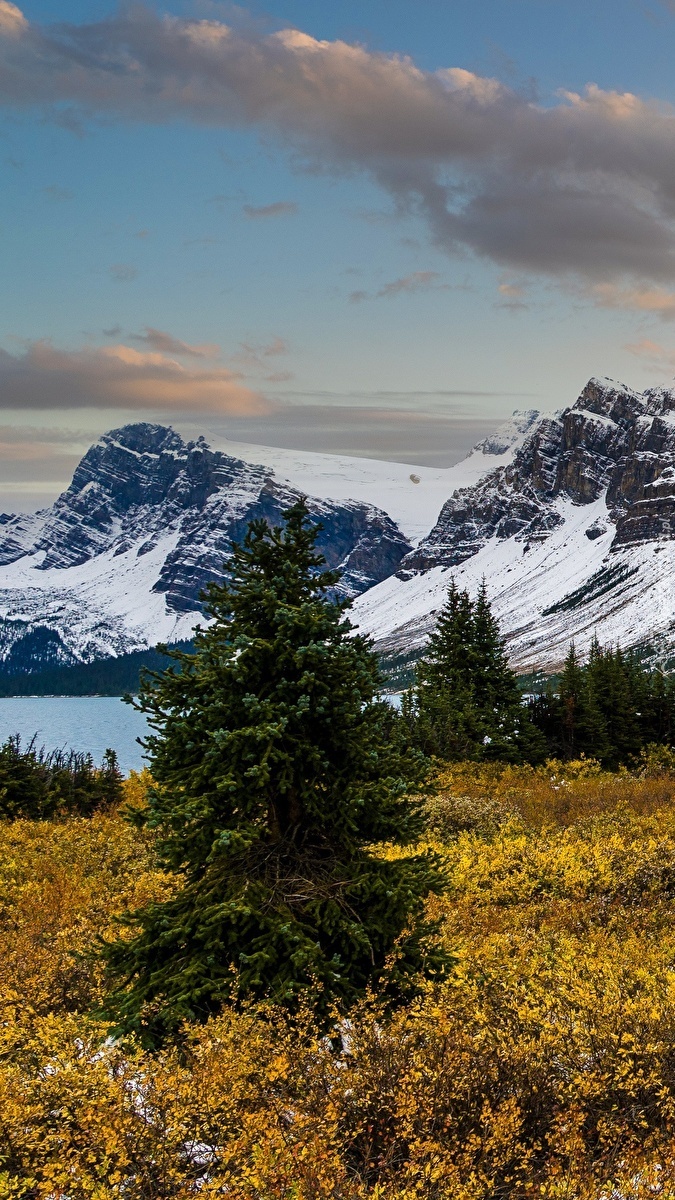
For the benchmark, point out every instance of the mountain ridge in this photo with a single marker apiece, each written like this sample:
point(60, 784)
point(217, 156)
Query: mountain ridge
point(569, 517)
point(120, 560)
point(574, 537)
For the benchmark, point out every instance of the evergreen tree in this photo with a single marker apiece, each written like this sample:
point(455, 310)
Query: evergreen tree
point(466, 703)
point(24, 781)
point(609, 708)
point(570, 698)
point(37, 785)
point(276, 768)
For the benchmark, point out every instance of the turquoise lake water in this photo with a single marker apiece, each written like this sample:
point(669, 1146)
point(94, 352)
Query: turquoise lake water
point(86, 723)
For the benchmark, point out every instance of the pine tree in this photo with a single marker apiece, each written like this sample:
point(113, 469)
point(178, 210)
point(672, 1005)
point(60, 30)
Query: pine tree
point(466, 702)
point(276, 768)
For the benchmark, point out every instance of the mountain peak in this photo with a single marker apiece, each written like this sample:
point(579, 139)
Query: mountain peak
point(122, 557)
point(143, 437)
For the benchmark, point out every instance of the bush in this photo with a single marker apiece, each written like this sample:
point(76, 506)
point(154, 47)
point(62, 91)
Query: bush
point(542, 1067)
point(448, 814)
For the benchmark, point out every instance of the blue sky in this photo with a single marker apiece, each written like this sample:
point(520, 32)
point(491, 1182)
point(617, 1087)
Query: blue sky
point(179, 248)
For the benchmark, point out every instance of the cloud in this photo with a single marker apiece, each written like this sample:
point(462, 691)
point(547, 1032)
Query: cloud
point(54, 192)
point(512, 295)
point(30, 443)
point(435, 440)
point(166, 343)
point(123, 272)
point(417, 281)
point(656, 301)
point(254, 359)
point(12, 21)
point(282, 208)
point(579, 187)
point(119, 376)
point(654, 354)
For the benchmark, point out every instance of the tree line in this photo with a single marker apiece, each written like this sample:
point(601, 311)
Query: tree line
point(36, 784)
point(466, 702)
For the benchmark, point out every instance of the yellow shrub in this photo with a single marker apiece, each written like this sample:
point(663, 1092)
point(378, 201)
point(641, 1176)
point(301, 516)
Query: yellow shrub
point(543, 1066)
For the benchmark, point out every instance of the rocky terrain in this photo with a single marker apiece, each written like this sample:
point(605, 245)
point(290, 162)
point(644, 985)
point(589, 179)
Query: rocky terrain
point(575, 536)
point(120, 559)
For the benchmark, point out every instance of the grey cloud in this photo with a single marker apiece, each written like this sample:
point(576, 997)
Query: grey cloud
point(258, 360)
point(417, 281)
point(281, 208)
point(44, 377)
point(166, 343)
point(123, 272)
point(581, 188)
point(417, 438)
point(54, 192)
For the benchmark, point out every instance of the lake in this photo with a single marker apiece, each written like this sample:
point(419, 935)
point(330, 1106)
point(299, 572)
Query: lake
point(85, 723)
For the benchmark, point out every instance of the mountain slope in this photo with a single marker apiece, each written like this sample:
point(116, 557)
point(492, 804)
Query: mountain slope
point(120, 559)
point(411, 495)
point(574, 537)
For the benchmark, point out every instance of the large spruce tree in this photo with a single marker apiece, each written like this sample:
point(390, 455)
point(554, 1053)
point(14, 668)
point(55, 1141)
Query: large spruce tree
point(276, 769)
point(465, 703)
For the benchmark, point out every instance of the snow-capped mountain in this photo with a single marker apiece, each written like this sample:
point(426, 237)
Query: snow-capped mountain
point(576, 536)
point(119, 560)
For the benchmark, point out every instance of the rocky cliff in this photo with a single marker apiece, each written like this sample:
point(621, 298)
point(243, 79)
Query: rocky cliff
point(120, 559)
point(566, 535)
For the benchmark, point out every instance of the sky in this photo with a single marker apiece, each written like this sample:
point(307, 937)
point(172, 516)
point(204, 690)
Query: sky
point(371, 228)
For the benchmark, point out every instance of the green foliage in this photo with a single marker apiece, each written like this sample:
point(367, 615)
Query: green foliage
point(276, 768)
point(611, 708)
point(465, 703)
point(37, 785)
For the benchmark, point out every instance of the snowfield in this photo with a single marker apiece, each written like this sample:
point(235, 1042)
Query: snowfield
point(412, 496)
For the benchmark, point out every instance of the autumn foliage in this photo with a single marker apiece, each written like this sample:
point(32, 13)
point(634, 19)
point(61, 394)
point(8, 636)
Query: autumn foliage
point(543, 1066)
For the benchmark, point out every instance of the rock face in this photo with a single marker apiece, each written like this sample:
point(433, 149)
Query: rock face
point(565, 535)
point(120, 559)
point(612, 442)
